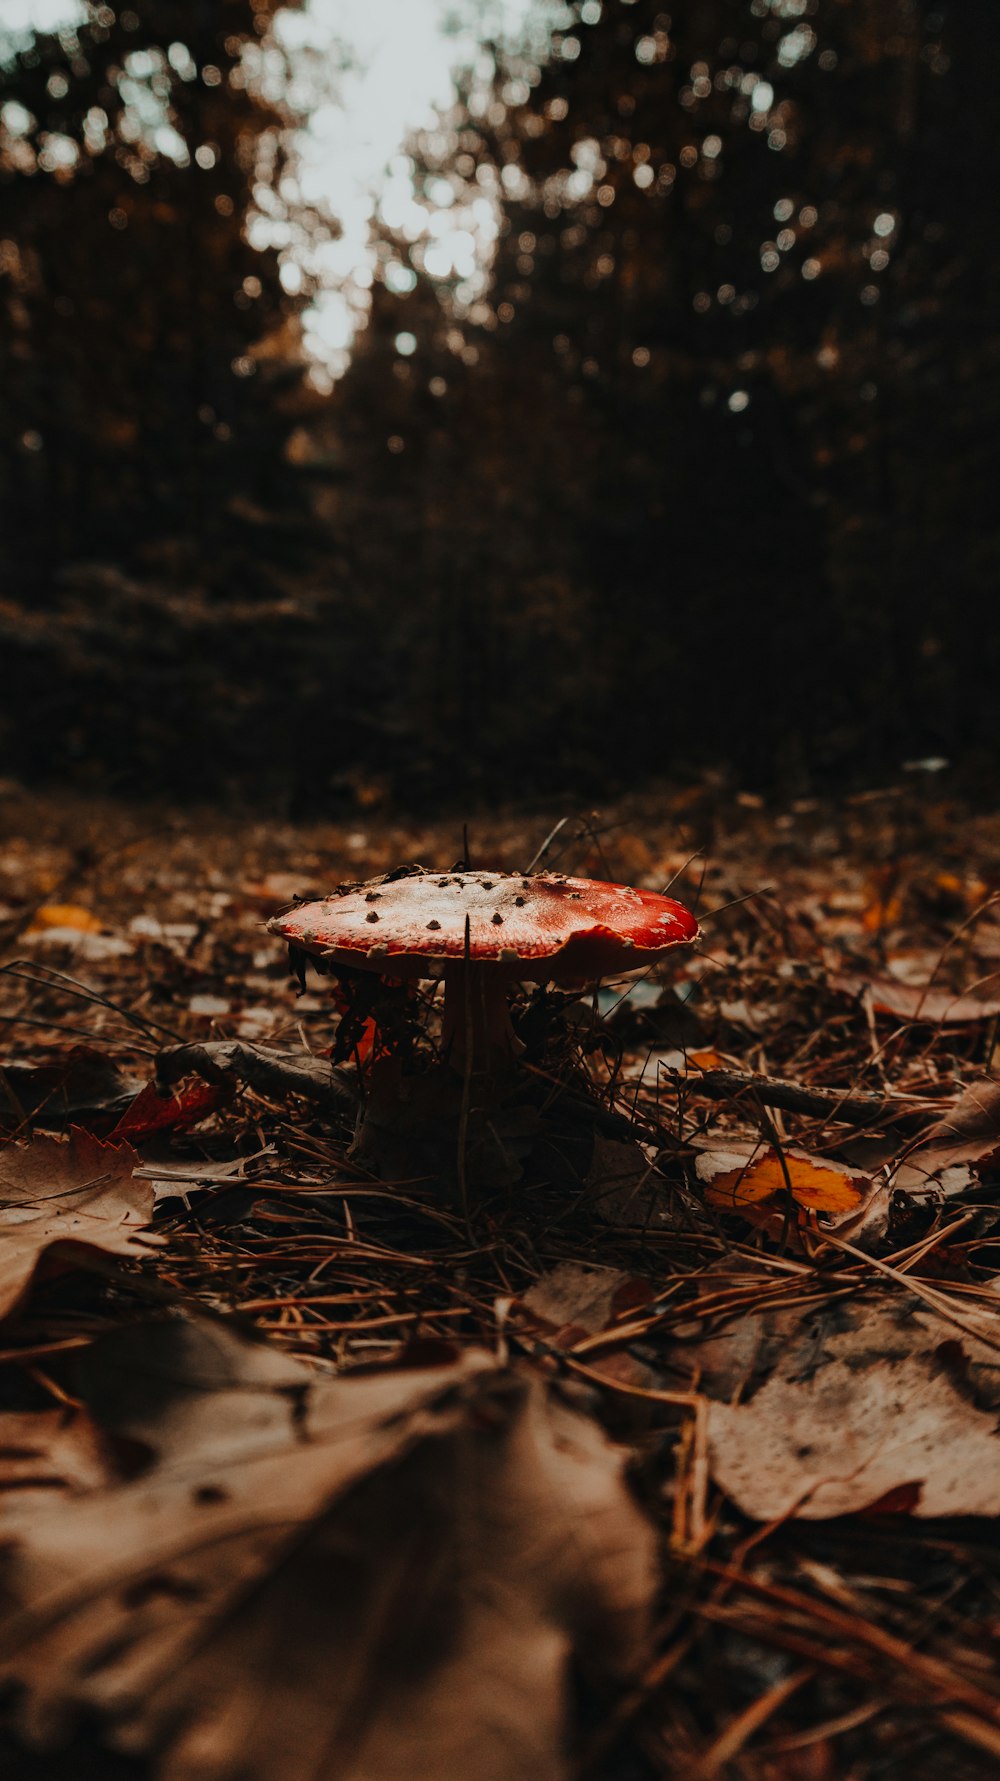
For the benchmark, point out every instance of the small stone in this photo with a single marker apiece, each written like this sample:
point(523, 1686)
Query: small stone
point(372, 915)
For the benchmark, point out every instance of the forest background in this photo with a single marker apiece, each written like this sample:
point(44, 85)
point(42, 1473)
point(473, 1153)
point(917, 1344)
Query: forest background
point(696, 468)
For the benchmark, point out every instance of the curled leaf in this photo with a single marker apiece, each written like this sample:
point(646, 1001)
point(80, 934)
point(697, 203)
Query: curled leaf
point(966, 1139)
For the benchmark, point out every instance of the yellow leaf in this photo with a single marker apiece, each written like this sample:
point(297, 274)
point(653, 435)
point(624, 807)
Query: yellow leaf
point(707, 1059)
point(820, 1186)
point(65, 915)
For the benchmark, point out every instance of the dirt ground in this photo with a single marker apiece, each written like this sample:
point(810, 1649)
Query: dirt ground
point(760, 1251)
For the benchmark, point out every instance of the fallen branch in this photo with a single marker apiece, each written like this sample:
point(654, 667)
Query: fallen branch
point(846, 1105)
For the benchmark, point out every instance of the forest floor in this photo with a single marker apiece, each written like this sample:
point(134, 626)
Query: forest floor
point(306, 1474)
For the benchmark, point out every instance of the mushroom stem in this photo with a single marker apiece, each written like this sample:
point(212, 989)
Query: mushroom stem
point(477, 1020)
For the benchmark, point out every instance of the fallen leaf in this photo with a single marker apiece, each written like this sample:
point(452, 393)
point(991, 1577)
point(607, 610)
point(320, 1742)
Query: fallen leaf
point(62, 1199)
point(921, 1002)
point(879, 1414)
point(84, 942)
point(572, 1302)
point(709, 1059)
point(374, 1576)
point(881, 913)
point(622, 1187)
point(173, 1111)
point(65, 915)
point(170, 1181)
point(916, 968)
point(209, 1005)
point(757, 1017)
point(82, 1085)
point(966, 1139)
point(257, 1022)
point(743, 1175)
point(50, 1454)
point(571, 1296)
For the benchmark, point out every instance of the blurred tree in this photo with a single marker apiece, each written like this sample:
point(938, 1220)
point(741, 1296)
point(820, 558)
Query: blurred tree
point(147, 349)
point(169, 617)
point(672, 437)
point(742, 267)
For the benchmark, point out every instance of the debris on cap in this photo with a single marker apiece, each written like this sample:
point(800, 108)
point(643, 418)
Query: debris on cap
point(546, 927)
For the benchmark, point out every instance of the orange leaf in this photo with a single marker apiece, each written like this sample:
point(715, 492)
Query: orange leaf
point(879, 915)
point(819, 1186)
point(707, 1059)
point(65, 915)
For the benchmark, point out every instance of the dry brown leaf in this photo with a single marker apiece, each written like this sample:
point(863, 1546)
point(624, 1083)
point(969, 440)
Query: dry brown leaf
point(571, 1302)
point(878, 1421)
point(574, 1297)
point(81, 1085)
point(62, 1199)
point(50, 1454)
point(967, 1138)
point(622, 1187)
point(744, 1174)
point(924, 1002)
point(377, 1576)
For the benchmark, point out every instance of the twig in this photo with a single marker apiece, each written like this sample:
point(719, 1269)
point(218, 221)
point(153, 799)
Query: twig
point(71, 986)
point(846, 1105)
point(547, 843)
point(691, 1529)
point(729, 1744)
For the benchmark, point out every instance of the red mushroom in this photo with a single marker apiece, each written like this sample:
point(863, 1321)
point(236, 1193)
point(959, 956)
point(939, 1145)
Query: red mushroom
point(483, 932)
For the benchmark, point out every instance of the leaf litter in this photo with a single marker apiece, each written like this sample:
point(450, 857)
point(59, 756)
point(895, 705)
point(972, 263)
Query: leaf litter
point(885, 1415)
point(952, 1154)
point(64, 1201)
point(756, 1271)
point(309, 1573)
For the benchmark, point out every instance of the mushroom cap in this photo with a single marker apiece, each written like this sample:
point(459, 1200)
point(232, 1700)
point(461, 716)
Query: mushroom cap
point(545, 928)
